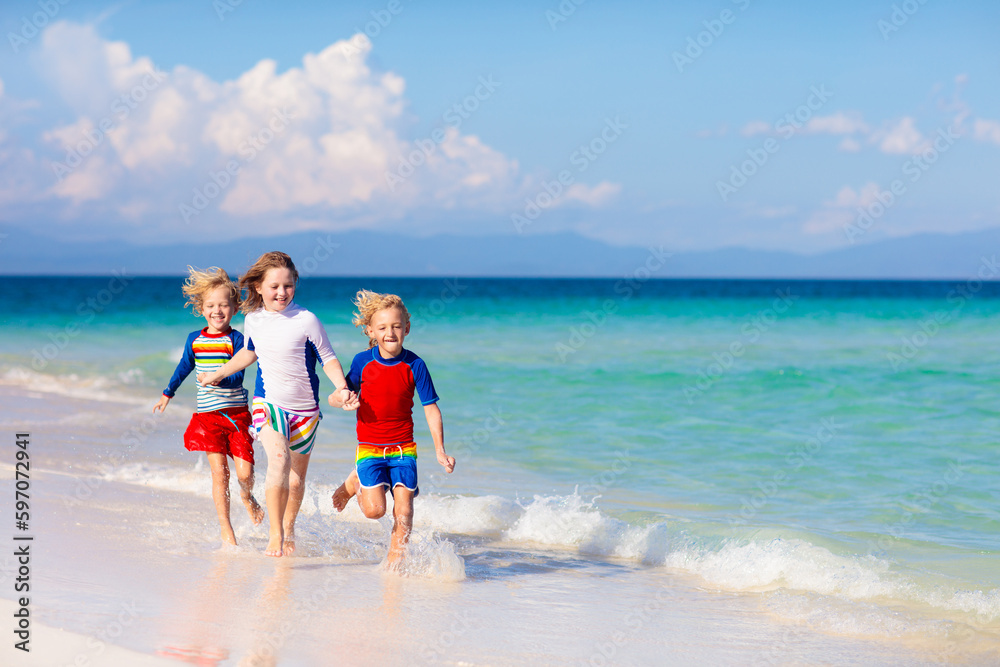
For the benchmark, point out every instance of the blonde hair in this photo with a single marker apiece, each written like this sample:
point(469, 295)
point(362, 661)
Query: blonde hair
point(200, 283)
point(368, 303)
point(251, 280)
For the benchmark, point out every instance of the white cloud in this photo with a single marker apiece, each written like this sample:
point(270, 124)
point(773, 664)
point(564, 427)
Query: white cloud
point(91, 179)
point(835, 214)
point(321, 140)
point(986, 130)
point(901, 138)
point(85, 70)
point(848, 197)
point(599, 195)
point(838, 123)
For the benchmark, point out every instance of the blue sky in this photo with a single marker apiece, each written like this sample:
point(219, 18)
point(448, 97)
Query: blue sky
point(327, 119)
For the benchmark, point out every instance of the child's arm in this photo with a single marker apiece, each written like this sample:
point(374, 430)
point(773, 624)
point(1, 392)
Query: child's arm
point(436, 424)
point(342, 397)
point(184, 368)
point(240, 360)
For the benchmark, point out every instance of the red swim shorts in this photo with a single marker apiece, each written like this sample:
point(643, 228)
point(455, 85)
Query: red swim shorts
point(223, 431)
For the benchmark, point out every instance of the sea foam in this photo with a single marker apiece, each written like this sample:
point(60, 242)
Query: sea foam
point(720, 561)
point(95, 388)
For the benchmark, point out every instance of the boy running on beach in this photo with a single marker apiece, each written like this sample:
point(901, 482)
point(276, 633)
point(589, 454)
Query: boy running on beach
point(220, 422)
point(385, 377)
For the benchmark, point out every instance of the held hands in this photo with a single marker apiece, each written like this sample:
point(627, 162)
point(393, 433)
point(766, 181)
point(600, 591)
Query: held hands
point(208, 379)
point(447, 462)
point(344, 398)
point(161, 404)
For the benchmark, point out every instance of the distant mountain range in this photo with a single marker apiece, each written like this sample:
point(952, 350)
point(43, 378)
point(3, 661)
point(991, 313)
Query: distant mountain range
point(362, 253)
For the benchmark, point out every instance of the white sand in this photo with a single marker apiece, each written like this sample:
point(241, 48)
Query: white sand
point(52, 646)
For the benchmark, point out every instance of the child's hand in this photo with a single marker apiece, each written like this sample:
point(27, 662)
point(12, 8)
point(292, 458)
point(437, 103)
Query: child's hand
point(351, 401)
point(206, 379)
point(344, 398)
point(448, 462)
point(161, 404)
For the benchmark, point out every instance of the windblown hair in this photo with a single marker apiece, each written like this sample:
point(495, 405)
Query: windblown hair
point(200, 283)
point(252, 279)
point(368, 303)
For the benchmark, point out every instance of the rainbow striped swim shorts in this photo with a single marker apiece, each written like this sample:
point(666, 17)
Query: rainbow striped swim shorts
point(388, 465)
point(298, 429)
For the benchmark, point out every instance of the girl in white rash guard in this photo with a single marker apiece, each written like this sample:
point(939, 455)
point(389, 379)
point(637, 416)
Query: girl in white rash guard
point(286, 340)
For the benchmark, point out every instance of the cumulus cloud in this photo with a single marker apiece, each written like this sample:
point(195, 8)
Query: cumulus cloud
point(902, 138)
point(840, 211)
point(325, 139)
point(986, 130)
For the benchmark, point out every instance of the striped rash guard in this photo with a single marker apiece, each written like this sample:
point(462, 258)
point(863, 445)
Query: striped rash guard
point(205, 353)
point(288, 344)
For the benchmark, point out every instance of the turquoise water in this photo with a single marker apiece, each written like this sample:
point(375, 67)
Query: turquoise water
point(831, 438)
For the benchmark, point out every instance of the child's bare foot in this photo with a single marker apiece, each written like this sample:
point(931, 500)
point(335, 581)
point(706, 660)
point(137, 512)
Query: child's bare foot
point(254, 509)
point(228, 537)
point(346, 491)
point(393, 562)
point(274, 546)
point(341, 497)
point(289, 546)
point(397, 552)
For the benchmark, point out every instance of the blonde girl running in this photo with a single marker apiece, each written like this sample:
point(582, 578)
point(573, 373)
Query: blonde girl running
point(286, 341)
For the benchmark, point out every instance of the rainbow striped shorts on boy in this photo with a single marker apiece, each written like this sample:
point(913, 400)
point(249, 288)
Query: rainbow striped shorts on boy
point(299, 430)
point(388, 465)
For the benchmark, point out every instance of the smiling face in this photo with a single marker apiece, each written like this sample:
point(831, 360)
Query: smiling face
point(277, 289)
point(388, 328)
point(218, 309)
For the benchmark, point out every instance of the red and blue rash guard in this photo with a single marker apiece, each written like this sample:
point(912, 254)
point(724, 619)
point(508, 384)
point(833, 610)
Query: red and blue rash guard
point(385, 388)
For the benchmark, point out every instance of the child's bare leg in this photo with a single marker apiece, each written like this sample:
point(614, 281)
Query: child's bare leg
point(296, 491)
point(220, 494)
point(346, 491)
point(275, 486)
point(244, 473)
point(372, 502)
point(402, 524)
